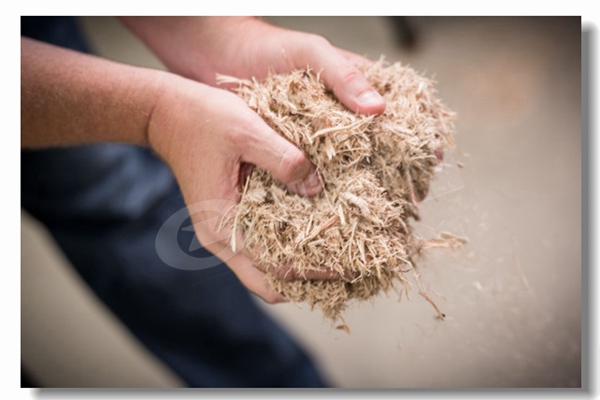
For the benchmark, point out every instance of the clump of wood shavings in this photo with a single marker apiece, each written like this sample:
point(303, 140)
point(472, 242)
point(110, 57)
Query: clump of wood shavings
point(374, 171)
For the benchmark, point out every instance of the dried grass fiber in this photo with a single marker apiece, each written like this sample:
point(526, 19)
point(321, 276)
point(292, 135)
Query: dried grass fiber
point(374, 171)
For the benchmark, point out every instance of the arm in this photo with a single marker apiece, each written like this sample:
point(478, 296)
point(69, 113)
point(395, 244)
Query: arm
point(69, 98)
point(206, 135)
point(200, 47)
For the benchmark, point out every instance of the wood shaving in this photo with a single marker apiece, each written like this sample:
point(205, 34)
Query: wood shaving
point(374, 171)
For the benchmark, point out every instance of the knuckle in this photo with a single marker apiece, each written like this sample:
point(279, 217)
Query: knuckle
point(348, 74)
point(308, 44)
point(292, 165)
point(318, 40)
point(311, 40)
point(271, 297)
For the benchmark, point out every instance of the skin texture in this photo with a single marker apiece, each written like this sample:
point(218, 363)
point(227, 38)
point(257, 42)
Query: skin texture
point(208, 136)
point(247, 47)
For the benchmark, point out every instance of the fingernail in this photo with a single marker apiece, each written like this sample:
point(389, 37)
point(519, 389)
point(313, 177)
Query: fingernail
point(439, 153)
point(312, 181)
point(370, 97)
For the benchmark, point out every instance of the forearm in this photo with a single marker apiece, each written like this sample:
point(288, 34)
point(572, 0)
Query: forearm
point(73, 98)
point(200, 47)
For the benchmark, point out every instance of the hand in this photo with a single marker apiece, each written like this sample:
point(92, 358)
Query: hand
point(209, 137)
point(201, 47)
point(210, 155)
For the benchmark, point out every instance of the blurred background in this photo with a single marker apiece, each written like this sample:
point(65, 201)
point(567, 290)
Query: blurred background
point(512, 296)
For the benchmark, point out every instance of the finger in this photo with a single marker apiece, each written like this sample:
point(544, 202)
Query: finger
point(284, 161)
point(245, 173)
point(289, 272)
point(292, 274)
point(253, 279)
point(439, 153)
point(345, 80)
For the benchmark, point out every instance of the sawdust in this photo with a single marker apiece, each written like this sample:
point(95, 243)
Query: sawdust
point(374, 171)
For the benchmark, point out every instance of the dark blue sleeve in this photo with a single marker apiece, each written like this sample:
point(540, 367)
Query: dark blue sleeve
point(60, 31)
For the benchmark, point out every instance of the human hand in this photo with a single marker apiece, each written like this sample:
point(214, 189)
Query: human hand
point(210, 137)
point(202, 47)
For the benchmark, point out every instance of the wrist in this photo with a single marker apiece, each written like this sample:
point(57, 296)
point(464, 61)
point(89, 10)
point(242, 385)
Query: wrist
point(196, 47)
point(179, 104)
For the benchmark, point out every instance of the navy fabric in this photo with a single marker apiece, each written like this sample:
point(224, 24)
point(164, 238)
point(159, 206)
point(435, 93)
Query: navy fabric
point(104, 205)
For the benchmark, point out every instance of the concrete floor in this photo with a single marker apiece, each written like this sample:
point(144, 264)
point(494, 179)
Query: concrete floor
point(513, 295)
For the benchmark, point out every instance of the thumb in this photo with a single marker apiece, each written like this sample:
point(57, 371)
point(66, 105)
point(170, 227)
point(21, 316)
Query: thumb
point(284, 161)
point(351, 87)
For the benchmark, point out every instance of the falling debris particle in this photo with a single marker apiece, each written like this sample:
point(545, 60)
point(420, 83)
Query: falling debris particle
point(460, 165)
point(374, 170)
point(344, 328)
point(446, 240)
point(522, 275)
point(440, 314)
